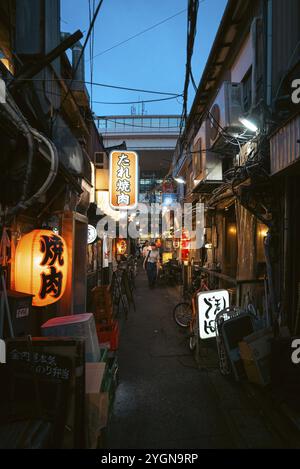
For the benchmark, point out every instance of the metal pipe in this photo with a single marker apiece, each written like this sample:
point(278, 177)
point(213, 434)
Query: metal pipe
point(52, 172)
point(286, 235)
point(269, 50)
point(20, 122)
point(267, 246)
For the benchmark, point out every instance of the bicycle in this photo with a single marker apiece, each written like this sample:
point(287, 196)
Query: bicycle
point(168, 274)
point(185, 313)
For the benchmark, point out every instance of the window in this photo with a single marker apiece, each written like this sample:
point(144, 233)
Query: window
point(247, 90)
point(100, 159)
point(197, 158)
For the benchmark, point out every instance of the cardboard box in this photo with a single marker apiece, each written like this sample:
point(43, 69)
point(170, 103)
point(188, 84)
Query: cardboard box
point(258, 372)
point(97, 402)
point(255, 351)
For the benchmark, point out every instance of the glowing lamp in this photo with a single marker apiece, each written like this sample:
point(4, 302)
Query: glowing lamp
point(121, 247)
point(41, 266)
point(158, 243)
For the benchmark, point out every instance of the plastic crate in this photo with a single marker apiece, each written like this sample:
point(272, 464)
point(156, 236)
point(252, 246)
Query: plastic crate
point(109, 333)
point(78, 325)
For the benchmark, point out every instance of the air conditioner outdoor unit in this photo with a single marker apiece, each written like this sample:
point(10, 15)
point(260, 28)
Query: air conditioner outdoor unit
point(211, 163)
point(225, 112)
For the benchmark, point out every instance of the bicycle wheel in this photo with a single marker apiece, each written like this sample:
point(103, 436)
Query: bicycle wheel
point(193, 338)
point(192, 342)
point(182, 314)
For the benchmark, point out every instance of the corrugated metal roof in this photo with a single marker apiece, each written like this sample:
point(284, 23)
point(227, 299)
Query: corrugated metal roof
point(285, 146)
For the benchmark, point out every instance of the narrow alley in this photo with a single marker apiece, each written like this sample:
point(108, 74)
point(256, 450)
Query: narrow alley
point(149, 228)
point(164, 400)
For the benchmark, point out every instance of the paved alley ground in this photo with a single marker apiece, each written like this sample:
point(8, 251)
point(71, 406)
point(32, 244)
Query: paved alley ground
point(165, 400)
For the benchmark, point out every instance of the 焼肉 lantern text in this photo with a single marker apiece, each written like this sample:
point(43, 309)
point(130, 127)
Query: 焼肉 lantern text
point(41, 266)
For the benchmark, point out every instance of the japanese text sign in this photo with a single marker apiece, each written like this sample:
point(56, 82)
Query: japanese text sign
point(41, 266)
point(209, 304)
point(123, 180)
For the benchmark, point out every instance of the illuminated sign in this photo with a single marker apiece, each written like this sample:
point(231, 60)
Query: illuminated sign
point(92, 234)
point(41, 266)
point(209, 304)
point(123, 180)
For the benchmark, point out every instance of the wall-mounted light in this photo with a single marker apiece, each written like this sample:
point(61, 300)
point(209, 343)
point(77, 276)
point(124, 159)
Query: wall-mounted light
point(250, 125)
point(180, 180)
point(232, 229)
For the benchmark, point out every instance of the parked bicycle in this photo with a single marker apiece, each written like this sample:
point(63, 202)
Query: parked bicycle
point(123, 284)
point(185, 313)
point(170, 273)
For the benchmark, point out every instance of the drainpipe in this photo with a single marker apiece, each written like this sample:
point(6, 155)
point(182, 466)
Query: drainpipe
point(286, 234)
point(273, 304)
point(269, 50)
point(253, 32)
point(78, 68)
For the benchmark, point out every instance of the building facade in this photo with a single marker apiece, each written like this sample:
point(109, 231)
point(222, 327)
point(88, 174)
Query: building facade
point(238, 156)
point(49, 141)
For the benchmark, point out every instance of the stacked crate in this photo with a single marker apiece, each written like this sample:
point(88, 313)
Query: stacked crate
point(102, 304)
point(107, 327)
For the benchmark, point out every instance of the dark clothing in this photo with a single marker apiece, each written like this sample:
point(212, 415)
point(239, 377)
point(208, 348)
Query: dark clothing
point(151, 270)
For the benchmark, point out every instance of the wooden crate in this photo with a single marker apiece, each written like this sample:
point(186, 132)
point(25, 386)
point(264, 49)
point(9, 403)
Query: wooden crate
point(102, 303)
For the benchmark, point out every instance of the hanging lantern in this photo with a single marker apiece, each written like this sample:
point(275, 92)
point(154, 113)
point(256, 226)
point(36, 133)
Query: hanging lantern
point(41, 266)
point(121, 247)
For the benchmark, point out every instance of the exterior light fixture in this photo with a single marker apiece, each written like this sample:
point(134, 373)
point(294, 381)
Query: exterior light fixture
point(41, 266)
point(180, 180)
point(250, 125)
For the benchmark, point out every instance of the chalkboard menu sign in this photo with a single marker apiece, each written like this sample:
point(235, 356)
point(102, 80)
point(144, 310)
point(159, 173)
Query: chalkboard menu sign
point(45, 369)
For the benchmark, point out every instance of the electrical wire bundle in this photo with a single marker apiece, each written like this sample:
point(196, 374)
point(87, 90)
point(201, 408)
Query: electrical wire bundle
point(193, 6)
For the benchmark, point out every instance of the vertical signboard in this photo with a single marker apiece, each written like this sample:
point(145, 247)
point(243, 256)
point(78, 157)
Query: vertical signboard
point(209, 304)
point(123, 180)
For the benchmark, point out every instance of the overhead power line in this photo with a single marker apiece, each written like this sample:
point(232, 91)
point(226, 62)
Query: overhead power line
point(138, 34)
point(139, 102)
point(104, 85)
point(53, 93)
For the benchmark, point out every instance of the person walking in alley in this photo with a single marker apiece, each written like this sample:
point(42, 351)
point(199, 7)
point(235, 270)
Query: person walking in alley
point(151, 265)
point(146, 249)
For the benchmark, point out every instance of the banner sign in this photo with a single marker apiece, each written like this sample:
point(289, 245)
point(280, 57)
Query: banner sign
point(123, 180)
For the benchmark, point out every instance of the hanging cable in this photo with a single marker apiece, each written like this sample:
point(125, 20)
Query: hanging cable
point(91, 54)
point(139, 102)
point(167, 93)
point(53, 93)
point(191, 34)
point(139, 34)
point(193, 81)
